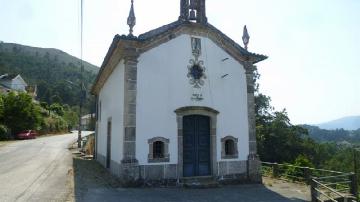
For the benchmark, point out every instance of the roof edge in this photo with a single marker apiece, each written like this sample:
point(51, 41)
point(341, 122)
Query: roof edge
point(152, 34)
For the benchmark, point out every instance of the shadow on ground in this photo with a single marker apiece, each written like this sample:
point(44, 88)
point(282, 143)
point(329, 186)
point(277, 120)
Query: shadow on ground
point(93, 183)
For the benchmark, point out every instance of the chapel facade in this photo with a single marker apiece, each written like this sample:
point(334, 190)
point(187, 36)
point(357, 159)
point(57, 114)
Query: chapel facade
point(177, 102)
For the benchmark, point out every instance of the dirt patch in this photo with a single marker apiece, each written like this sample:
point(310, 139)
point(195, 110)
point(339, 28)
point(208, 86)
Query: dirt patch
point(91, 173)
point(70, 185)
point(287, 188)
point(3, 143)
point(87, 175)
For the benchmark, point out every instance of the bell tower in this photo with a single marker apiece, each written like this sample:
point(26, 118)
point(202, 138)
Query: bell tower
point(193, 10)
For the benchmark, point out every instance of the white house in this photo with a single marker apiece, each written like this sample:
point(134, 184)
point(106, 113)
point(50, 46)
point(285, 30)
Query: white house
point(177, 102)
point(12, 83)
point(86, 121)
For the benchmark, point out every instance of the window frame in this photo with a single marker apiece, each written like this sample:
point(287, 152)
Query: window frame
point(165, 156)
point(235, 153)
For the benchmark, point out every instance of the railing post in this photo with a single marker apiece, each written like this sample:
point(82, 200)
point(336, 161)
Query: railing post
point(275, 170)
point(354, 186)
point(307, 175)
point(313, 192)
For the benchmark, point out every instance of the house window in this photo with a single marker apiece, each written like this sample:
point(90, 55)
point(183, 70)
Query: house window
point(229, 148)
point(158, 150)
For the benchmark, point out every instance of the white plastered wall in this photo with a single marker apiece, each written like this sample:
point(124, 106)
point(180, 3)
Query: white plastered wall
point(111, 98)
point(163, 87)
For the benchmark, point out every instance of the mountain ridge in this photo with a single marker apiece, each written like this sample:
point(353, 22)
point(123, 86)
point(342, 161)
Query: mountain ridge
point(53, 52)
point(347, 123)
point(56, 73)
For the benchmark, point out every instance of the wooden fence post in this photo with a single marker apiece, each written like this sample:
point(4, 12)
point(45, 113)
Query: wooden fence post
point(313, 192)
point(354, 186)
point(275, 170)
point(307, 175)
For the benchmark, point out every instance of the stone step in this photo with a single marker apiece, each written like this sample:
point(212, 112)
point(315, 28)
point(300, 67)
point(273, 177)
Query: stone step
point(88, 157)
point(201, 182)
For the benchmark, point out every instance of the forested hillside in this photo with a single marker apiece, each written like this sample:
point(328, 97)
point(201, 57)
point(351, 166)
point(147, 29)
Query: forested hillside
point(337, 135)
point(56, 73)
point(280, 141)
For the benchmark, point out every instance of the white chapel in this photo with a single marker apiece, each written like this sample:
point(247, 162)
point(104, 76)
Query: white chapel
point(177, 102)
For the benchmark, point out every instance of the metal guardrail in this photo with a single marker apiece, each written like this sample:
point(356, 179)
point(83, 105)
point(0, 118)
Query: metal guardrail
point(326, 185)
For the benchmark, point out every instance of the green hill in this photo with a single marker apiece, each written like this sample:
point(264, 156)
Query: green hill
point(55, 73)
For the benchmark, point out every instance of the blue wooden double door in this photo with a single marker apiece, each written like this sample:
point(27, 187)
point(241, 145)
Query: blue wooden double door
point(196, 145)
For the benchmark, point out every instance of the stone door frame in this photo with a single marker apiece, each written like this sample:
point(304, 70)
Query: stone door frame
point(196, 110)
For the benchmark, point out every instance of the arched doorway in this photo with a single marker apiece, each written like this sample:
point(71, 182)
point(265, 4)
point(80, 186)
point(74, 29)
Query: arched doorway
point(195, 116)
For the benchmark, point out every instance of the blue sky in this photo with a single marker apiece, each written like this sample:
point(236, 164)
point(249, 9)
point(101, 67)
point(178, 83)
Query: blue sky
point(313, 46)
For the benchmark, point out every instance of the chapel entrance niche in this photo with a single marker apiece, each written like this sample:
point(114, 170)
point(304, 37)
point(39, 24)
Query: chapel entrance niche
point(196, 146)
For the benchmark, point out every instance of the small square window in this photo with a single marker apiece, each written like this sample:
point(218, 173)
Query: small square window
point(158, 150)
point(229, 148)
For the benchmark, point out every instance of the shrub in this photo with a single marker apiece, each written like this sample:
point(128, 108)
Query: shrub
point(297, 173)
point(53, 124)
point(4, 132)
point(20, 112)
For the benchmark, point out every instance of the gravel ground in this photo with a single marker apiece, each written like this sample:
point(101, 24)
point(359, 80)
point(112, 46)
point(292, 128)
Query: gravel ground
point(36, 170)
point(288, 189)
point(93, 183)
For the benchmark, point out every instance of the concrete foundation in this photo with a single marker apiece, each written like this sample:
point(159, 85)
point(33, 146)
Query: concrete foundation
point(228, 172)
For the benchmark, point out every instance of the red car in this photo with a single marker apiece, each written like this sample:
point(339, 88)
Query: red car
point(26, 134)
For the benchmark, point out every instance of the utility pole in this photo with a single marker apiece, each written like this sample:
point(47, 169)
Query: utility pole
point(81, 76)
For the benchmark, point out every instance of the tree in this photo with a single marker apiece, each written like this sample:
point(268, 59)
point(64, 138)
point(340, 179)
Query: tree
point(56, 99)
point(1, 107)
point(277, 139)
point(3, 132)
point(280, 141)
point(3, 129)
point(21, 112)
point(57, 108)
point(71, 118)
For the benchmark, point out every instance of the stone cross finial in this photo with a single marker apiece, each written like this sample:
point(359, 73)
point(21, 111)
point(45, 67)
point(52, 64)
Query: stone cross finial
point(131, 21)
point(245, 37)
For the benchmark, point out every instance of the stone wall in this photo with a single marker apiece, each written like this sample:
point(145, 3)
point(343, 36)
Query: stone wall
point(134, 175)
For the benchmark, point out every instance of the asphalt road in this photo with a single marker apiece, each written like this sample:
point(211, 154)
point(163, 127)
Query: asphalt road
point(36, 170)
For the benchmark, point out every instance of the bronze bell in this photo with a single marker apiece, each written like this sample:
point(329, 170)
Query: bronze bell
point(192, 15)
